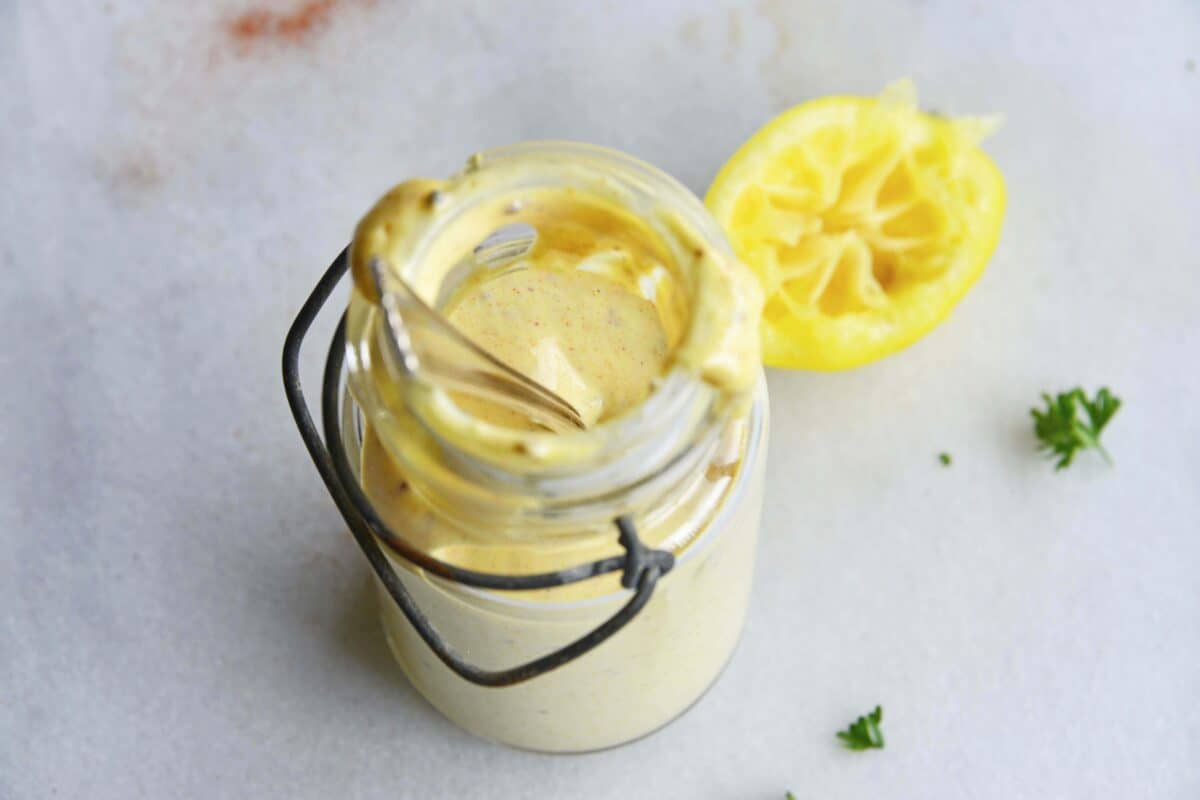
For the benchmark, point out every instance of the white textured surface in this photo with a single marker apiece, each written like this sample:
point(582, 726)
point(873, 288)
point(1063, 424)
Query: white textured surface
point(181, 613)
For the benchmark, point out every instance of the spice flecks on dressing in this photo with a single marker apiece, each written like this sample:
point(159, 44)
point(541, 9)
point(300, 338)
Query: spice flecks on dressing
point(653, 256)
point(597, 345)
point(626, 285)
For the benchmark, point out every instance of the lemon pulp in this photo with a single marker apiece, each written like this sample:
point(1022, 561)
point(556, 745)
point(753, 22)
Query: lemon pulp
point(865, 220)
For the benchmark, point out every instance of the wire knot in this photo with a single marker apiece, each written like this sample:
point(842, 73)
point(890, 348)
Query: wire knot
point(640, 559)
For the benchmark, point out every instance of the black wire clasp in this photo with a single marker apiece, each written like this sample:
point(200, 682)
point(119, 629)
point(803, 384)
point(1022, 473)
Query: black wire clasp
point(641, 567)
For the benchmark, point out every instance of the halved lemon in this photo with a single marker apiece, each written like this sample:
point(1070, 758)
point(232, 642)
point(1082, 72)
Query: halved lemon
point(866, 221)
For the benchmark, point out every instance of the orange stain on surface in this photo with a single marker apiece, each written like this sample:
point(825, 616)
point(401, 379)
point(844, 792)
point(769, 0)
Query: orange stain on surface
point(258, 24)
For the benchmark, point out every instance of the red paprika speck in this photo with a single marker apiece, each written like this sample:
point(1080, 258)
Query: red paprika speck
point(259, 23)
point(250, 25)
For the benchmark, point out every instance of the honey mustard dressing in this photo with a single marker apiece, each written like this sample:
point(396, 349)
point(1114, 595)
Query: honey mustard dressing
point(627, 302)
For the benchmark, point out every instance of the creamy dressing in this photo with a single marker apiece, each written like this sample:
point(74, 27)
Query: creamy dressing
point(636, 682)
point(580, 335)
point(707, 303)
point(601, 309)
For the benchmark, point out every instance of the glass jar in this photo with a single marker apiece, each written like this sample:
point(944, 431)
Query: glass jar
point(684, 467)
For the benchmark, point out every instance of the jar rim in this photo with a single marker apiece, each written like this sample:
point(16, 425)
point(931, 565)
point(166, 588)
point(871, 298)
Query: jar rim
point(676, 391)
point(637, 442)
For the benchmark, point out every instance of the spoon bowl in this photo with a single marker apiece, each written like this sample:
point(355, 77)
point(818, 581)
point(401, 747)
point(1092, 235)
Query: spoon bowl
point(425, 343)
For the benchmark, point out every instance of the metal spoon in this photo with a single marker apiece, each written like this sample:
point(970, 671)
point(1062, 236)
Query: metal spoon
point(425, 343)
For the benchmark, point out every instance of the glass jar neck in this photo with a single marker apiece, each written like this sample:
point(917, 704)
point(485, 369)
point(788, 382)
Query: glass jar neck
point(537, 483)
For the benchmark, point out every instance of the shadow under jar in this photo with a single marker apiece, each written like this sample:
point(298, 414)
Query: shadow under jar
point(680, 457)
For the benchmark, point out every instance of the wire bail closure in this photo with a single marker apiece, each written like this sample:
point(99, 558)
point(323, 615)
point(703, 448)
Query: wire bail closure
point(640, 566)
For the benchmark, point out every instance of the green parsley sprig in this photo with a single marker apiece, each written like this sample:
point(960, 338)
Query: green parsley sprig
point(864, 733)
point(1062, 430)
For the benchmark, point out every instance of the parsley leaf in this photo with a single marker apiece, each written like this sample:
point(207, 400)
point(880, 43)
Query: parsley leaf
point(1061, 429)
point(945, 459)
point(864, 732)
